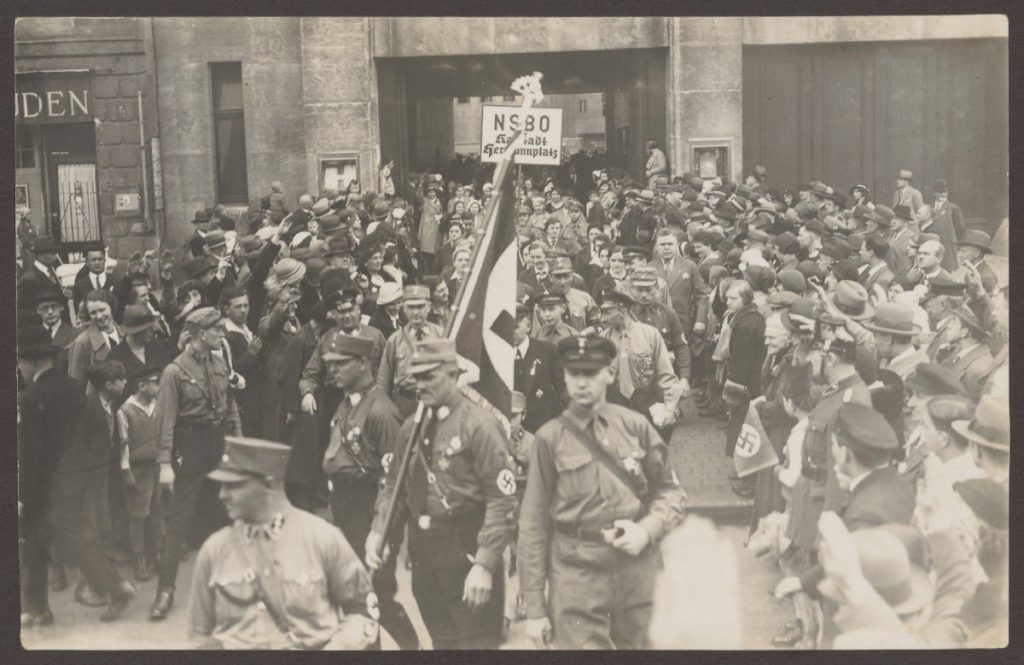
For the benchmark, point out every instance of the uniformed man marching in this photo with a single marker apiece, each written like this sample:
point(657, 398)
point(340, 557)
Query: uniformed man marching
point(600, 496)
point(394, 375)
point(195, 408)
point(364, 431)
point(461, 504)
point(279, 577)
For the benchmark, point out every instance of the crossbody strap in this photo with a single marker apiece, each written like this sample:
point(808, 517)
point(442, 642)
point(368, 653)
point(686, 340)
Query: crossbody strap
point(602, 456)
point(253, 577)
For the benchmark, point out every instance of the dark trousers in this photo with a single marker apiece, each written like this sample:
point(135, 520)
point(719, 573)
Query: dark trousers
point(33, 555)
point(352, 504)
point(75, 513)
point(196, 452)
point(440, 563)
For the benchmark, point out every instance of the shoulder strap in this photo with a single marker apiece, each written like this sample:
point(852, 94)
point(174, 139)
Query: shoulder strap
point(602, 456)
point(257, 584)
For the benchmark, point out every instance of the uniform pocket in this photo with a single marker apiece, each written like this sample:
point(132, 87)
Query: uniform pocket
point(305, 594)
point(577, 476)
point(234, 593)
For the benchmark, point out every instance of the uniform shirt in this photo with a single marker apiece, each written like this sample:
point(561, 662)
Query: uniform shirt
point(567, 487)
point(553, 333)
point(319, 577)
point(366, 426)
point(193, 390)
point(469, 460)
point(397, 358)
point(579, 307)
point(668, 324)
point(643, 361)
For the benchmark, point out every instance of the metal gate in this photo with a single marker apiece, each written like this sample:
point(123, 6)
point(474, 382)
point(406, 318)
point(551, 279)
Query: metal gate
point(77, 201)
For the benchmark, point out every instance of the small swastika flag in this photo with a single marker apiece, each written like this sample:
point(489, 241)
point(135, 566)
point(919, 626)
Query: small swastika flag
point(754, 451)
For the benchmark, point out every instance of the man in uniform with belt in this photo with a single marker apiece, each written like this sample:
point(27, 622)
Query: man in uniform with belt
point(364, 430)
point(279, 577)
point(394, 376)
point(658, 315)
point(644, 378)
point(600, 495)
point(817, 489)
point(195, 408)
point(461, 504)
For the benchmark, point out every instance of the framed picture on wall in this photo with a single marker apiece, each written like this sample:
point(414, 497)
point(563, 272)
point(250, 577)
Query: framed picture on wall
point(711, 158)
point(337, 170)
point(21, 197)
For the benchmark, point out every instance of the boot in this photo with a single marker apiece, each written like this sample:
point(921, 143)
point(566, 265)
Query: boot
point(59, 578)
point(162, 605)
point(142, 572)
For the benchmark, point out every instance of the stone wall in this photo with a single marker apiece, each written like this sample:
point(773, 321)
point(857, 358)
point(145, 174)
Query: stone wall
point(339, 95)
point(270, 51)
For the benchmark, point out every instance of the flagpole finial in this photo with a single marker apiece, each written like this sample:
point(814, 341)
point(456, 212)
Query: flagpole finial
point(529, 87)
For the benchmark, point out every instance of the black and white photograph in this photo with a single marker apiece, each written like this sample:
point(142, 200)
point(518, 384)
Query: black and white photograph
point(512, 332)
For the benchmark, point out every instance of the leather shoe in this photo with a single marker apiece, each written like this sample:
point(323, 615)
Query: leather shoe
point(58, 578)
point(162, 605)
point(119, 601)
point(84, 595)
point(790, 635)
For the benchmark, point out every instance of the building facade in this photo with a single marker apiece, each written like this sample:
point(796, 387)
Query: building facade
point(231, 104)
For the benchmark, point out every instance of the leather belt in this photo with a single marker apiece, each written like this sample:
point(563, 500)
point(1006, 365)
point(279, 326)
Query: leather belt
point(586, 535)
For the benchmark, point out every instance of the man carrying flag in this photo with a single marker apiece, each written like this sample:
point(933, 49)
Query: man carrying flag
point(453, 476)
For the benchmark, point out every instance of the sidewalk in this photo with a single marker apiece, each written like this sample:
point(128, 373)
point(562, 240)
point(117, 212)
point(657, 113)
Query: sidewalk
point(697, 450)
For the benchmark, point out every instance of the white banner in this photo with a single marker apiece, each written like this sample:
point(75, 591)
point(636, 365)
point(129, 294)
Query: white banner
point(542, 134)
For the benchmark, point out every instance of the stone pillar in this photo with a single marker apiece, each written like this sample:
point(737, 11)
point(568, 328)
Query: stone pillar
point(705, 87)
point(339, 95)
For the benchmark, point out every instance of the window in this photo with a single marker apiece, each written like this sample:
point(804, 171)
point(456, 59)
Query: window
point(229, 132)
point(508, 98)
point(463, 100)
point(583, 106)
point(24, 147)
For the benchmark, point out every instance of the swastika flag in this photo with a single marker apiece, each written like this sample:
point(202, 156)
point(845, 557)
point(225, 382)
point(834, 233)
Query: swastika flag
point(753, 449)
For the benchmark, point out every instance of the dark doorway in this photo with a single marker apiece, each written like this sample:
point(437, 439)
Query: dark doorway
point(74, 215)
point(414, 87)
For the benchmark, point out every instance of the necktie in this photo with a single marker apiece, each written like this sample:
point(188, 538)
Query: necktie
point(53, 331)
point(420, 335)
point(96, 282)
point(520, 371)
point(113, 339)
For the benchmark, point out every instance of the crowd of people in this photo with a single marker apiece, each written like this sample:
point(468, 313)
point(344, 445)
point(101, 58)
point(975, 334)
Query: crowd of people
point(155, 394)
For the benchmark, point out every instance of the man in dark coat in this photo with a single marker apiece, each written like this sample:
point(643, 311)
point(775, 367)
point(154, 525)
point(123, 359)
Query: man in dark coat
point(95, 278)
point(39, 274)
point(47, 402)
point(538, 374)
point(947, 222)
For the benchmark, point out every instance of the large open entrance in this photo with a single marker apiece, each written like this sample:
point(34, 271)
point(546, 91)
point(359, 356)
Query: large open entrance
point(428, 104)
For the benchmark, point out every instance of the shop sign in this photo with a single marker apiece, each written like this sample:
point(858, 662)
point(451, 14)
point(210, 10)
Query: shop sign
point(51, 98)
